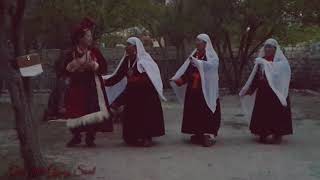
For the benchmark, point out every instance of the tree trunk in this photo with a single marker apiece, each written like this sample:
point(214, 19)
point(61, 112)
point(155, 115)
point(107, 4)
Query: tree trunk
point(26, 126)
point(181, 52)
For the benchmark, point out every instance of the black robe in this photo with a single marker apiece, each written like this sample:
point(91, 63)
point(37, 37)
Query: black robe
point(269, 116)
point(143, 115)
point(197, 116)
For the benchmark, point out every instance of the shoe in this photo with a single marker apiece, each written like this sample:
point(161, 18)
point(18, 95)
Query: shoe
point(90, 140)
point(147, 142)
point(91, 144)
point(276, 139)
point(132, 142)
point(207, 141)
point(263, 139)
point(196, 139)
point(76, 140)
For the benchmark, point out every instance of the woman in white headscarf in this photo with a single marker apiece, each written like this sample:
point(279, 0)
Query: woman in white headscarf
point(196, 85)
point(265, 95)
point(138, 82)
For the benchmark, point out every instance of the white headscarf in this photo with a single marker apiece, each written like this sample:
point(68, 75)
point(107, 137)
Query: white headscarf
point(208, 73)
point(278, 74)
point(145, 63)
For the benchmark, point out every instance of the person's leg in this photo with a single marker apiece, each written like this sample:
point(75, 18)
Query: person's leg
point(263, 138)
point(147, 142)
point(76, 138)
point(62, 89)
point(276, 139)
point(207, 141)
point(90, 137)
point(196, 138)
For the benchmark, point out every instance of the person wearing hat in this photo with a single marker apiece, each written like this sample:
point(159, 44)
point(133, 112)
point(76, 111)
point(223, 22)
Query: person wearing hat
point(87, 110)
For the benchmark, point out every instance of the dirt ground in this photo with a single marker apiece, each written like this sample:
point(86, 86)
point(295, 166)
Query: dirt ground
point(236, 156)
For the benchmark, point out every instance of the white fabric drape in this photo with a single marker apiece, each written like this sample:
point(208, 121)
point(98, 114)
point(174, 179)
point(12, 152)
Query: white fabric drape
point(145, 63)
point(278, 74)
point(208, 73)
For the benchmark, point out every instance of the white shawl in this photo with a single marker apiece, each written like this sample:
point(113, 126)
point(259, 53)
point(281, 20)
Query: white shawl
point(278, 74)
point(208, 73)
point(145, 63)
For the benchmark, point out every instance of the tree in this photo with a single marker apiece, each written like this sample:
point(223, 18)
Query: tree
point(173, 23)
point(11, 25)
point(52, 20)
point(238, 28)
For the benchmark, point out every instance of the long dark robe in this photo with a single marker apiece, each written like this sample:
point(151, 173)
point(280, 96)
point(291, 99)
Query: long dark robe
point(82, 99)
point(197, 116)
point(143, 115)
point(269, 116)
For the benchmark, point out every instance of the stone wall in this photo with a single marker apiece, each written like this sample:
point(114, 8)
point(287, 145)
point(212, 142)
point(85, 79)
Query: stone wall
point(305, 66)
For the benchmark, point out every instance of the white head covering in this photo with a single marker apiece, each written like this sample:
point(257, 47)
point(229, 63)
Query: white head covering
point(132, 41)
point(145, 63)
point(278, 74)
point(208, 73)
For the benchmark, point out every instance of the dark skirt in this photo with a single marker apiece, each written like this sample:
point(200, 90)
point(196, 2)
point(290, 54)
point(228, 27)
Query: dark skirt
point(197, 116)
point(269, 116)
point(143, 115)
point(82, 99)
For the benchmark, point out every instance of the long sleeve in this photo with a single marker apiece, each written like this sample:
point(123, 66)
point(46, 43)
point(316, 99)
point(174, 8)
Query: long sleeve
point(186, 77)
point(120, 74)
point(192, 76)
point(255, 82)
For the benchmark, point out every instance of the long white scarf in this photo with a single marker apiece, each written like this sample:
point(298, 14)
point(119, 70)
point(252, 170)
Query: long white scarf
point(208, 73)
point(145, 63)
point(278, 74)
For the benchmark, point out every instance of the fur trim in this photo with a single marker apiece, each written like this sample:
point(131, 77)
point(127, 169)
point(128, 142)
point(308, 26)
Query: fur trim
point(93, 118)
point(88, 119)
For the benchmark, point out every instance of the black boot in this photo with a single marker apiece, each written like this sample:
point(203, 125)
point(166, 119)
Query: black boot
point(263, 139)
point(196, 139)
point(207, 141)
point(76, 140)
point(276, 139)
point(132, 141)
point(147, 142)
point(90, 137)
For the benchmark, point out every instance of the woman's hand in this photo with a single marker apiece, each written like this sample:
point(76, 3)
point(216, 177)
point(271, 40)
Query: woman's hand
point(72, 66)
point(260, 60)
point(193, 61)
point(93, 65)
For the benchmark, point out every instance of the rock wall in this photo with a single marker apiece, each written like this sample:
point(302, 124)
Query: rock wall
point(305, 66)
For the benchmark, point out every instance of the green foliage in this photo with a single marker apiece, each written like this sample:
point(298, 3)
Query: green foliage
point(241, 25)
point(52, 20)
point(294, 34)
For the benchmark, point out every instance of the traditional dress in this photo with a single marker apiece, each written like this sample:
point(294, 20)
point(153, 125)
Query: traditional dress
point(202, 114)
point(137, 84)
point(86, 100)
point(265, 96)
